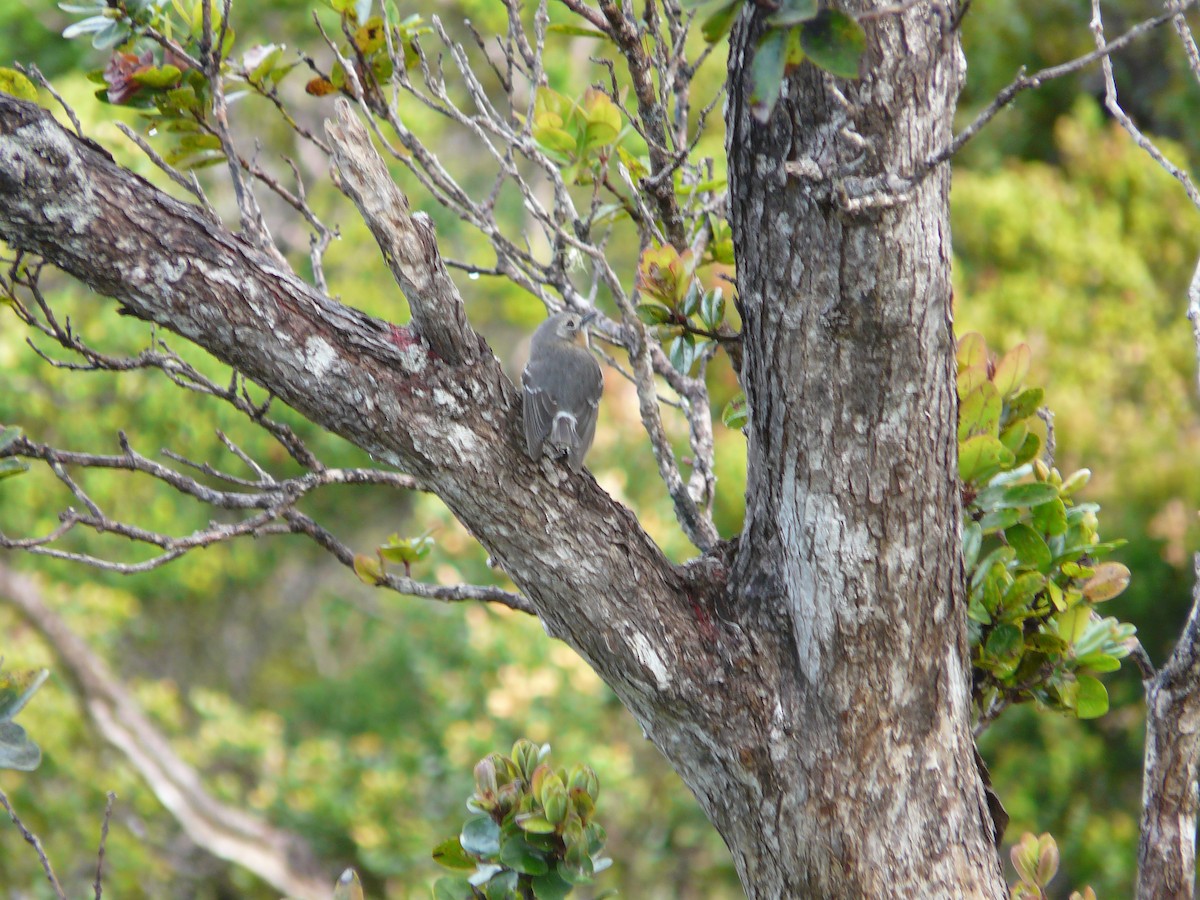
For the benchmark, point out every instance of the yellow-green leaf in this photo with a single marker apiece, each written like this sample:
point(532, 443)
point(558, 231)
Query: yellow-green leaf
point(1012, 369)
point(16, 84)
point(1091, 701)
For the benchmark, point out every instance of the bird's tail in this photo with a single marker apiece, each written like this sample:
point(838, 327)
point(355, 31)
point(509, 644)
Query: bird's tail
point(562, 432)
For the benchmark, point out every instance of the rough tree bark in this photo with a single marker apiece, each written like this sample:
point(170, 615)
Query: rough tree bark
point(809, 680)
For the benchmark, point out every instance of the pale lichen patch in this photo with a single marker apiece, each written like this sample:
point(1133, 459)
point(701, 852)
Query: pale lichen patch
point(319, 356)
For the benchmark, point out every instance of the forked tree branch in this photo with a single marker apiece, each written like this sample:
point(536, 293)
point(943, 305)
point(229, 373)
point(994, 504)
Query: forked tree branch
point(583, 561)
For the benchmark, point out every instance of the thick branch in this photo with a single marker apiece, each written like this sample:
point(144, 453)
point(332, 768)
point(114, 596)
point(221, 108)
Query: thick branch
point(593, 575)
point(407, 239)
point(278, 857)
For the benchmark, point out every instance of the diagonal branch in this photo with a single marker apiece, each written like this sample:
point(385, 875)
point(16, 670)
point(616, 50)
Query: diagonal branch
point(594, 576)
point(280, 858)
point(407, 239)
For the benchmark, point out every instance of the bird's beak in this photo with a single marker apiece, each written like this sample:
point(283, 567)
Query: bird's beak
point(588, 318)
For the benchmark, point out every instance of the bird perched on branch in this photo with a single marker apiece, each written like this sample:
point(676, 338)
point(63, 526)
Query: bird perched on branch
point(563, 384)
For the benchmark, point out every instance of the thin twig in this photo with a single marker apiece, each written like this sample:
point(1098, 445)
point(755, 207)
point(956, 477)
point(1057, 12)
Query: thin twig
point(108, 808)
point(33, 841)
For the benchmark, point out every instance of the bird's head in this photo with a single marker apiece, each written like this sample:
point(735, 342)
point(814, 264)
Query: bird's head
point(566, 326)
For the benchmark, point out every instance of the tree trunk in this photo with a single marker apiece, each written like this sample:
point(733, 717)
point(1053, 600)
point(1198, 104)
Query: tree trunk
point(810, 681)
point(860, 780)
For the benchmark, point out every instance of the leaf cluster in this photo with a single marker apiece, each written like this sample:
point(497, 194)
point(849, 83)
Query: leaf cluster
point(678, 304)
point(372, 45)
point(1030, 550)
point(534, 835)
point(17, 751)
point(158, 75)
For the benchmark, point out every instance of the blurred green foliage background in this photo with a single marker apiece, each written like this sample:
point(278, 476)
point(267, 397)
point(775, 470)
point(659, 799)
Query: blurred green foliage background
point(354, 717)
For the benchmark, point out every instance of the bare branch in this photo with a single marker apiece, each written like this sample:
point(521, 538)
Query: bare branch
point(406, 239)
point(108, 808)
point(191, 185)
point(253, 224)
point(276, 498)
point(1114, 107)
point(1025, 82)
point(32, 840)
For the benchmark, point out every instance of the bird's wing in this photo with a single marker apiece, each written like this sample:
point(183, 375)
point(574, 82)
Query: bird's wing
point(538, 409)
point(588, 407)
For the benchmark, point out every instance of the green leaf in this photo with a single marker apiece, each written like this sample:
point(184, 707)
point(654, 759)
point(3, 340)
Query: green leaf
point(157, 78)
point(368, 569)
point(576, 865)
point(535, 824)
point(555, 139)
point(11, 467)
point(999, 519)
point(551, 886)
point(577, 31)
point(718, 23)
point(766, 73)
point(712, 309)
point(682, 352)
point(1091, 701)
point(16, 84)
point(481, 837)
point(1023, 589)
point(971, 352)
point(452, 889)
point(17, 751)
point(1021, 495)
point(1013, 436)
point(520, 857)
point(972, 540)
point(1026, 403)
point(1012, 370)
point(1050, 518)
point(793, 12)
point(835, 42)
point(979, 412)
point(982, 456)
point(1005, 640)
point(406, 550)
point(1098, 662)
point(1001, 557)
point(1073, 623)
point(501, 886)
point(449, 853)
point(1031, 548)
point(16, 688)
point(736, 413)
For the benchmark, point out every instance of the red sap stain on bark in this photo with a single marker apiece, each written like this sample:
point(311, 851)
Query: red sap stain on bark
point(401, 337)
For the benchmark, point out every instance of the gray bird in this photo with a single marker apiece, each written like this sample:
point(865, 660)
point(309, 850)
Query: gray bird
point(562, 392)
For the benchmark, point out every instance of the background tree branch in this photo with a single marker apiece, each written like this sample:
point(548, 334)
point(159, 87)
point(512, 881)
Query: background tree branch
point(280, 858)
